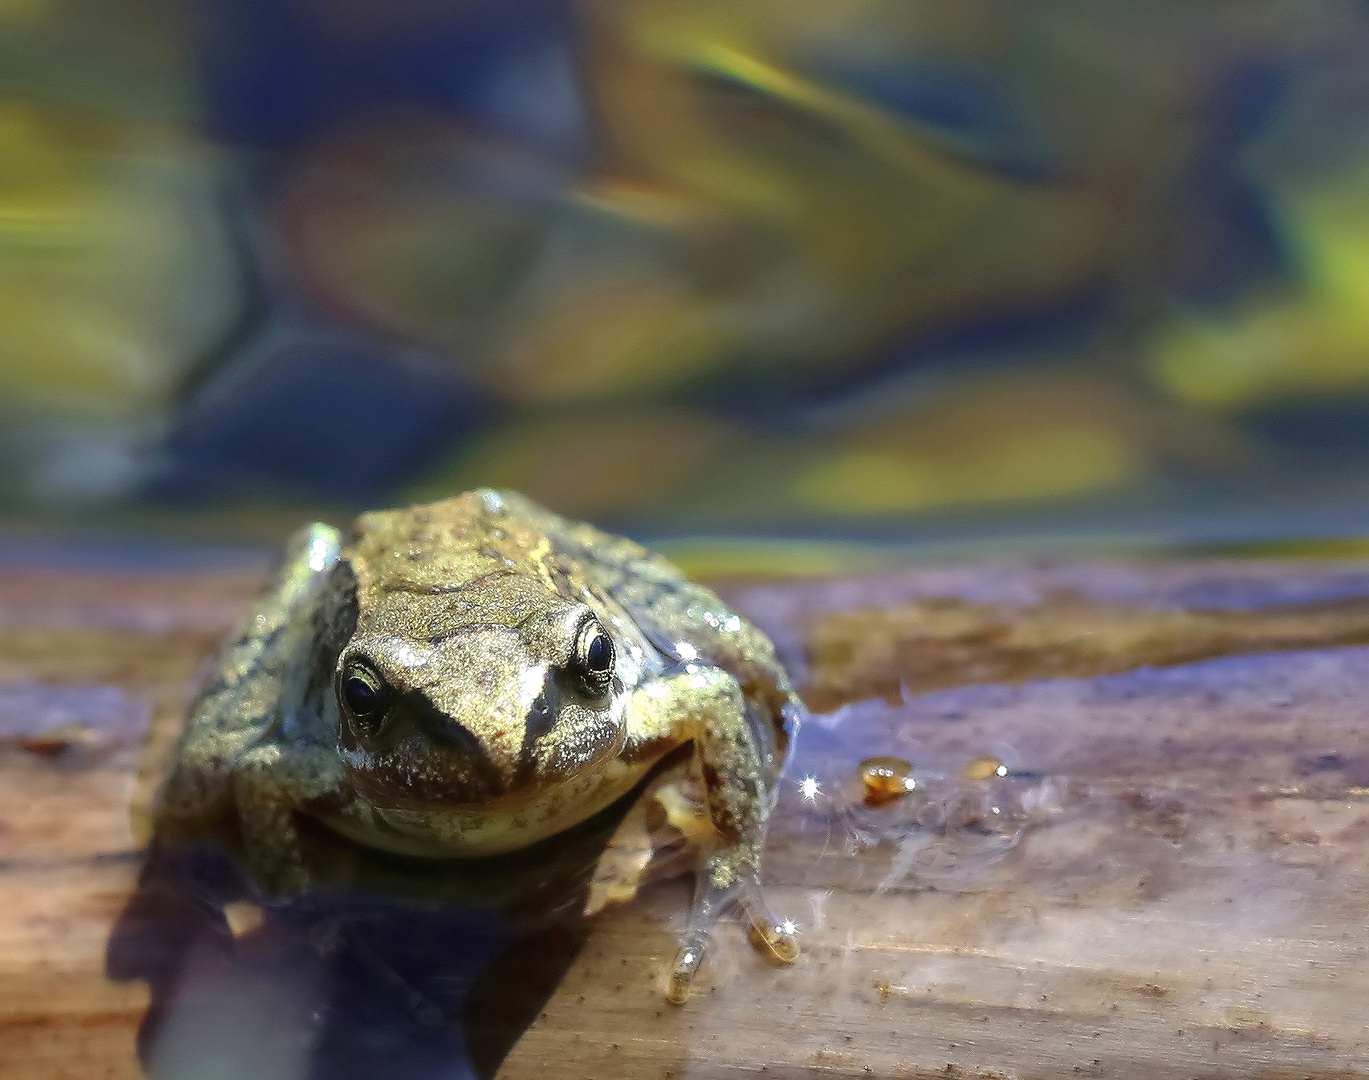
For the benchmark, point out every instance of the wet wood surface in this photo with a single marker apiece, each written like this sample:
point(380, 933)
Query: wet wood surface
point(1172, 878)
point(92, 665)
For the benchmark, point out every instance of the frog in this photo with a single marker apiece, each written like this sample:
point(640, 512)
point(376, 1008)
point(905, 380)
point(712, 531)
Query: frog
point(478, 675)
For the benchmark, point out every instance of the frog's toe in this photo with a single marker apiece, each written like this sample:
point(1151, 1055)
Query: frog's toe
point(773, 937)
point(775, 942)
point(686, 966)
point(711, 899)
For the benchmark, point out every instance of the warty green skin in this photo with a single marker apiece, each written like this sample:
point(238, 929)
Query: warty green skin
point(471, 611)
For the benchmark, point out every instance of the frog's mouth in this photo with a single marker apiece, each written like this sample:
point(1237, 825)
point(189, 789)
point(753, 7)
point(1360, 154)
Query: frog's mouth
point(408, 774)
point(451, 832)
point(413, 805)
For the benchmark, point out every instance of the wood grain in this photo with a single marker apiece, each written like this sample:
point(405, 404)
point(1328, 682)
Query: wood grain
point(1175, 882)
point(95, 657)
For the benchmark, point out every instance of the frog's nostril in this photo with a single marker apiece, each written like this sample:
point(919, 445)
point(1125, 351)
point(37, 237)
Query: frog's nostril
point(540, 718)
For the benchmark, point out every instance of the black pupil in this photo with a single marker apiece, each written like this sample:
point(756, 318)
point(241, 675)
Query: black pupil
point(362, 697)
point(599, 654)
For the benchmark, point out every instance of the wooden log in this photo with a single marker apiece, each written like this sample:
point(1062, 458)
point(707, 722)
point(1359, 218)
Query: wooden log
point(1170, 879)
point(87, 663)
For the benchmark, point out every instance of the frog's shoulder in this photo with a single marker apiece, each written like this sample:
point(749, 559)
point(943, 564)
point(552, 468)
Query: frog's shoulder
point(259, 678)
point(684, 620)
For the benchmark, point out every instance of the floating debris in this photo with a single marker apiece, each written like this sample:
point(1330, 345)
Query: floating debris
point(886, 779)
point(56, 740)
point(243, 918)
point(984, 768)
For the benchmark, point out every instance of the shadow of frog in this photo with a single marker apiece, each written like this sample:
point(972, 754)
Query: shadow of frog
point(388, 968)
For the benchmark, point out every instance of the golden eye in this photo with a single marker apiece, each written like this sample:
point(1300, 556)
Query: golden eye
point(594, 657)
point(365, 694)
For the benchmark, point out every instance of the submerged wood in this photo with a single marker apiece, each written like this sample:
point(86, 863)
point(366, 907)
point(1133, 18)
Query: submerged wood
point(1172, 878)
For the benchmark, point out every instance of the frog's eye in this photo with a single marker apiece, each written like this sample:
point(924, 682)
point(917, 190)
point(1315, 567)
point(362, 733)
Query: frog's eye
point(593, 660)
point(364, 692)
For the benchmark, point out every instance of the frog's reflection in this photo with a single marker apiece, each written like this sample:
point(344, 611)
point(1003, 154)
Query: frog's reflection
point(392, 968)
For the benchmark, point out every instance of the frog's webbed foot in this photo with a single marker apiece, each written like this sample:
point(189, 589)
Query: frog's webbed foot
point(720, 887)
point(735, 752)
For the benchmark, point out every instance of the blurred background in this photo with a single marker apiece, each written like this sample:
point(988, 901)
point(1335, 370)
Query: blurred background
point(804, 280)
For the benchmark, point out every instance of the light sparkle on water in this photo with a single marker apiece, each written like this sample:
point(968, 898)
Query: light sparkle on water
point(809, 788)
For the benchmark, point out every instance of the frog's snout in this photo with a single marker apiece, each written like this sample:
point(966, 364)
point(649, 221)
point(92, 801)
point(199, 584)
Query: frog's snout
point(423, 757)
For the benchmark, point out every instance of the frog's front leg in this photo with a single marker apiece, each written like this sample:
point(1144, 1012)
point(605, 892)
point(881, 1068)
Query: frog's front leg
point(270, 785)
point(705, 704)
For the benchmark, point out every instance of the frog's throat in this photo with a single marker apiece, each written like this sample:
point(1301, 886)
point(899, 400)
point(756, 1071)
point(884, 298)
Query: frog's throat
point(514, 823)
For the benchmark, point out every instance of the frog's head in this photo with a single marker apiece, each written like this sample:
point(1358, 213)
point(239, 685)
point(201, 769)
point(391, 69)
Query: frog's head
point(468, 681)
